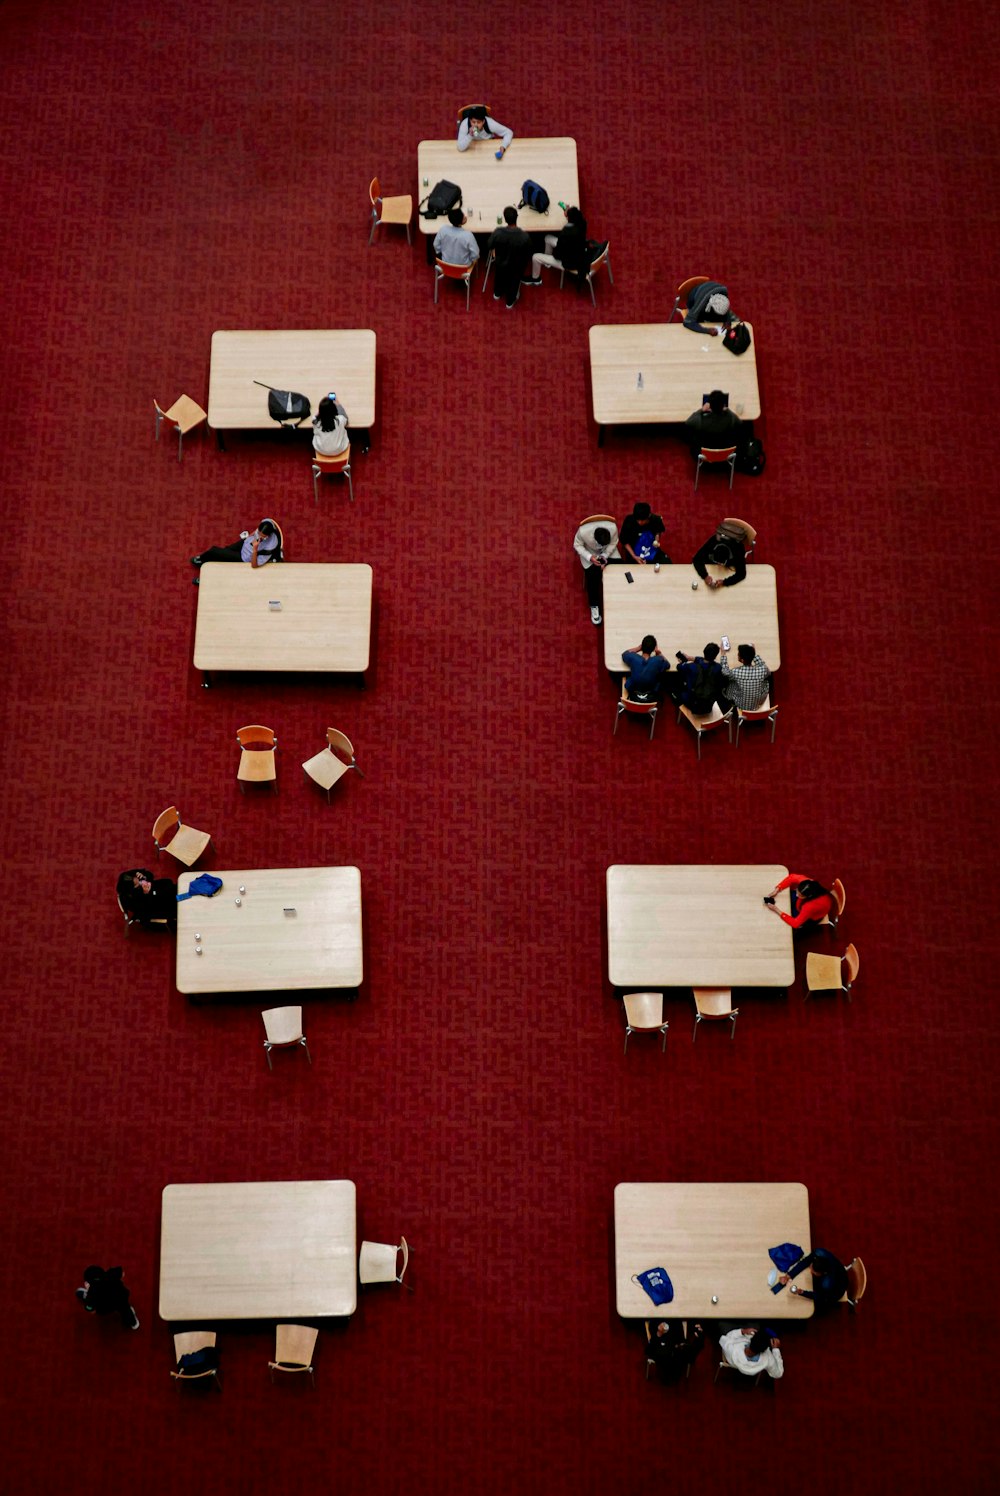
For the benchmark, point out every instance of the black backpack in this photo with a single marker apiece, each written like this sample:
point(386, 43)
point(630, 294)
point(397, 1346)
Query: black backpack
point(285, 405)
point(443, 197)
point(703, 688)
point(753, 460)
point(534, 196)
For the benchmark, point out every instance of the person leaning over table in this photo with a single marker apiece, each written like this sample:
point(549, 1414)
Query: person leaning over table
point(476, 124)
point(727, 547)
point(811, 902)
point(146, 897)
point(258, 548)
point(454, 243)
point(710, 300)
point(749, 1350)
point(829, 1278)
point(748, 683)
point(330, 427)
point(596, 545)
point(647, 667)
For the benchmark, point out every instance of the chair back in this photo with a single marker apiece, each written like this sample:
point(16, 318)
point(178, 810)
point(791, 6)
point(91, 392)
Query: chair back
point(282, 1025)
point(279, 554)
point(714, 1002)
point(171, 817)
point(339, 742)
point(857, 1281)
point(601, 258)
point(461, 113)
point(598, 519)
point(644, 1010)
point(717, 454)
point(454, 272)
point(256, 736)
point(184, 1345)
point(161, 415)
point(840, 894)
point(374, 190)
point(852, 963)
point(757, 713)
point(751, 532)
point(293, 1347)
point(686, 287)
point(334, 463)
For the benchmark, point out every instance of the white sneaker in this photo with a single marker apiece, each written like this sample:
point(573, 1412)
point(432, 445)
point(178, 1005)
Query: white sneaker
point(595, 615)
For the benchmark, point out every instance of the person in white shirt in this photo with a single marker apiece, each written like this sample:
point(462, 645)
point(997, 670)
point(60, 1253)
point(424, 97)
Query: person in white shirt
point(751, 1351)
point(330, 427)
point(596, 545)
point(453, 242)
point(476, 124)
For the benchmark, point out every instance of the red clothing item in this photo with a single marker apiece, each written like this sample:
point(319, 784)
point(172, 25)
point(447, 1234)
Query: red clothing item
point(812, 909)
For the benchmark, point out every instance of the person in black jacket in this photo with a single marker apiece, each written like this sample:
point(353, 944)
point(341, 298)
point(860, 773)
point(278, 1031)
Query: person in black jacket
point(105, 1293)
point(511, 247)
point(566, 250)
point(672, 1350)
point(147, 898)
point(727, 547)
point(828, 1278)
point(699, 682)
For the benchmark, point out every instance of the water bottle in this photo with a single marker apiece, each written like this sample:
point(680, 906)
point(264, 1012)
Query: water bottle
point(563, 206)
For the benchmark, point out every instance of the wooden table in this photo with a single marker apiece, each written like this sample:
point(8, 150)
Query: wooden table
point(692, 925)
point(307, 362)
point(257, 947)
point(678, 617)
point(488, 185)
point(283, 1249)
point(677, 366)
point(323, 624)
point(711, 1239)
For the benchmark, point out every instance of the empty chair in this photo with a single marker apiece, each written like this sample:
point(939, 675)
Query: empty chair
point(283, 1027)
point(763, 713)
point(707, 722)
point(644, 1015)
point(683, 292)
point(186, 844)
point(857, 1282)
point(636, 709)
point(332, 762)
point(601, 259)
point(257, 745)
point(377, 1263)
point(184, 415)
point(293, 1350)
point(826, 973)
point(713, 455)
point(189, 1343)
point(444, 271)
point(840, 894)
point(713, 1003)
point(338, 464)
point(395, 210)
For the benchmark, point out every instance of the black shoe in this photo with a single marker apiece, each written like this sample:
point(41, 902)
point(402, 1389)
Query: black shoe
point(512, 304)
point(531, 280)
point(197, 561)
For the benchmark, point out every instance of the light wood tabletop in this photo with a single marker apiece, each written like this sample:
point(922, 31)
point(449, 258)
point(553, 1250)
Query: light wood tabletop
point(256, 946)
point(269, 1250)
point(306, 362)
point(691, 925)
point(488, 185)
point(665, 605)
point(712, 1239)
point(677, 366)
point(323, 624)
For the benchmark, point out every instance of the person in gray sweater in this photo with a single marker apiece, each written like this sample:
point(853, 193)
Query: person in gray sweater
point(453, 242)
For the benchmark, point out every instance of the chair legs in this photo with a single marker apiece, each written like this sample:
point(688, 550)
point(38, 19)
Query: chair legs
point(317, 473)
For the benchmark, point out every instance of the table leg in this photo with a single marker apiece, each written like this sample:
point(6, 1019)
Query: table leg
point(220, 440)
point(364, 439)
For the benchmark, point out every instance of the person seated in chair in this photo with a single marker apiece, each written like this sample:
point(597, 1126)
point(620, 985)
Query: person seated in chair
point(511, 247)
point(727, 547)
point(828, 1278)
point(476, 124)
point(671, 1349)
point(566, 250)
point(258, 548)
point(750, 1351)
point(454, 243)
point(647, 667)
point(811, 902)
point(699, 682)
point(330, 436)
point(146, 897)
point(711, 301)
point(641, 532)
point(748, 683)
point(713, 424)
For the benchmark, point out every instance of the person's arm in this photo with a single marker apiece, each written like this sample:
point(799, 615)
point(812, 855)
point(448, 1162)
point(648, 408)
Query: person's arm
point(437, 246)
point(500, 132)
point(691, 319)
point(700, 561)
point(724, 667)
point(586, 557)
point(777, 1367)
point(254, 547)
point(807, 913)
point(739, 569)
point(472, 255)
point(464, 136)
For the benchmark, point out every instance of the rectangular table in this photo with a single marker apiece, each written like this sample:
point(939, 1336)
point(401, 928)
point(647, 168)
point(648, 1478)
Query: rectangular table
point(283, 1249)
point(256, 947)
point(691, 925)
point(713, 1240)
point(677, 366)
point(307, 362)
point(323, 624)
point(488, 185)
point(663, 604)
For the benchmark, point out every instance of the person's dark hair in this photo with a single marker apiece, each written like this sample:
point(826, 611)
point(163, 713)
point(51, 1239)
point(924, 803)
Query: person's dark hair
point(747, 654)
point(266, 528)
point(723, 551)
point(574, 216)
point(717, 401)
point(710, 651)
point(648, 645)
point(455, 217)
point(478, 111)
point(601, 535)
point(327, 413)
point(810, 889)
point(641, 511)
point(759, 1341)
point(510, 216)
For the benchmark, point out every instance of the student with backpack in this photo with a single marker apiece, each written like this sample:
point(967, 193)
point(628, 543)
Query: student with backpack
point(566, 250)
point(699, 682)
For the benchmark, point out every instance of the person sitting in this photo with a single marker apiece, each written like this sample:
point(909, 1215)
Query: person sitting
point(811, 902)
point(147, 898)
point(596, 545)
point(711, 301)
point(699, 682)
point(647, 667)
point(258, 548)
point(454, 243)
point(511, 247)
point(566, 250)
point(751, 1351)
point(105, 1293)
point(641, 531)
point(330, 427)
point(829, 1278)
point(727, 547)
point(713, 424)
point(672, 1350)
point(748, 684)
point(477, 124)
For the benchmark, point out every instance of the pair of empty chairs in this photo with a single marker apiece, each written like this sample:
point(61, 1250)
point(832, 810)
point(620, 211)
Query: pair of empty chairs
point(293, 1352)
point(644, 1012)
point(183, 416)
point(325, 768)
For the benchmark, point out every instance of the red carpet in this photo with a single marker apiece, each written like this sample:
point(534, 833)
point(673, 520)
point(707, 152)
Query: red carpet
point(167, 174)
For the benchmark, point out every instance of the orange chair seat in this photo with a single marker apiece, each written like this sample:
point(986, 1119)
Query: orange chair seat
point(396, 209)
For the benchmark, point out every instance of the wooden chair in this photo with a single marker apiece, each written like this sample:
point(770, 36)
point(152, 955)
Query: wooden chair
point(683, 292)
point(830, 921)
point(392, 210)
point(186, 844)
point(184, 415)
point(644, 1015)
point(283, 1027)
point(751, 533)
point(461, 113)
point(713, 1003)
point(636, 709)
point(130, 919)
point(490, 262)
point(339, 463)
point(601, 260)
point(293, 1350)
point(826, 973)
point(279, 554)
point(257, 745)
point(184, 1345)
point(445, 271)
point(711, 456)
point(708, 722)
point(857, 1282)
point(763, 713)
point(326, 767)
point(377, 1262)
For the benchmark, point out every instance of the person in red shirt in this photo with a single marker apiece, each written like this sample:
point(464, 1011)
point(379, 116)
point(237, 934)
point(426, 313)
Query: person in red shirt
point(811, 902)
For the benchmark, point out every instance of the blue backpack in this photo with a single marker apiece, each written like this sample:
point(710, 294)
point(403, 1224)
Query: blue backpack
point(534, 196)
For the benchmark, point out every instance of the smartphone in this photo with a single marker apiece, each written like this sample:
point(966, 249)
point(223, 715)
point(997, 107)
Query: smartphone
point(629, 577)
point(725, 642)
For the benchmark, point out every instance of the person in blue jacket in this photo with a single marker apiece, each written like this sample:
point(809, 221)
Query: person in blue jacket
point(828, 1278)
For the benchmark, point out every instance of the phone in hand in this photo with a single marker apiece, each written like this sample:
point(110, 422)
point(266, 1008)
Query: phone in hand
point(768, 898)
point(725, 642)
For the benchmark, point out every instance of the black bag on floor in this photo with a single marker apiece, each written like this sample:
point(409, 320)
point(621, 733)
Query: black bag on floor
point(753, 460)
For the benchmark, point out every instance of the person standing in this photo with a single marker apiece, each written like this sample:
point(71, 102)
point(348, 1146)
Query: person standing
point(511, 247)
point(454, 243)
point(596, 545)
point(104, 1292)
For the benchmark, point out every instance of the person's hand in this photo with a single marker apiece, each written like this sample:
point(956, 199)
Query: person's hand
point(775, 1342)
point(714, 331)
point(706, 407)
point(641, 560)
point(658, 652)
point(772, 908)
point(782, 1277)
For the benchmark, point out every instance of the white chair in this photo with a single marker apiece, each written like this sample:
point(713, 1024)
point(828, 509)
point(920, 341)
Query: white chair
point(644, 1015)
point(184, 1345)
point(282, 1027)
point(331, 763)
point(712, 1003)
point(377, 1263)
point(293, 1350)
